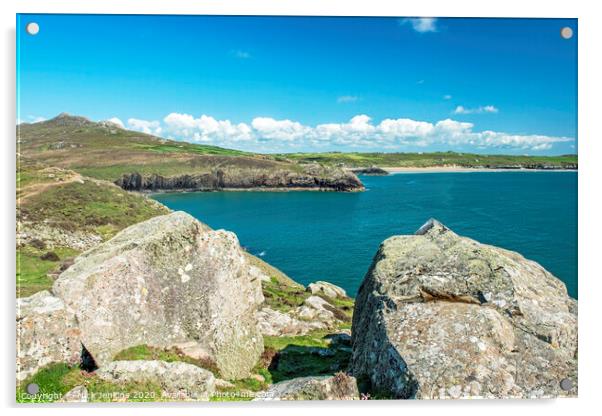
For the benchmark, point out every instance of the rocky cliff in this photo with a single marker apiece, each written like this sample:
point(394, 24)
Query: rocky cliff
point(333, 180)
point(443, 316)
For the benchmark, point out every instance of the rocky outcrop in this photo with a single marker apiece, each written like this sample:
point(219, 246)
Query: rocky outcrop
point(315, 313)
point(166, 282)
point(443, 316)
point(371, 171)
point(311, 178)
point(46, 333)
point(276, 323)
point(52, 236)
point(178, 380)
point(338, 387)
point(327, 289)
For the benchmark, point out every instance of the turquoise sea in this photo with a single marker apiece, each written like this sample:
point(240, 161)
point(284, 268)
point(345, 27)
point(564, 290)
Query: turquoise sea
point(333, 236)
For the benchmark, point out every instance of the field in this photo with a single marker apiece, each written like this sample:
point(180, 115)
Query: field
point(419, 160)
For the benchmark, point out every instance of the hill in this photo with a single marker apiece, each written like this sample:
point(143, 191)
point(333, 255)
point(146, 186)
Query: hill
point(138, 161)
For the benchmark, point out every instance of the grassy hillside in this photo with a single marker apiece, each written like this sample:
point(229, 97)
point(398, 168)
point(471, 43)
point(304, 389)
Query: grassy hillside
point(59, 213)
point(430, 159)
point(105, 151)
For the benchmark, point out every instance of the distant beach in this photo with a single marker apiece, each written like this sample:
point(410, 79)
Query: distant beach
point(451, 169)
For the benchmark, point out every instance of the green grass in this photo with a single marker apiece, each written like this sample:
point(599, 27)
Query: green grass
point(57, 379)
point(183, 147)
point(281, 297)
point(90, 206)
point(313, 339)
point(305, 355)
point(144, 352)
point(32, 271)
point(426, 159)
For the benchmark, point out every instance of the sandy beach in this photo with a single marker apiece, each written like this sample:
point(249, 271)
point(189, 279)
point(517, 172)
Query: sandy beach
point(451, 169)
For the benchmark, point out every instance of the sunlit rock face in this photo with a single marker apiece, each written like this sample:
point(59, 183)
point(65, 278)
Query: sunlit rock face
point(168, 281)
point(443, 316)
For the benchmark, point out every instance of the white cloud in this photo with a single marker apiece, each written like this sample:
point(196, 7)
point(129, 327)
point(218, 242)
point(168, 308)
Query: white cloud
point(205, 128)
point(447, 97)
point(145, 126)
point(268, 128)
point(116, 121)
point(35, 119)
point(421, 24)
point(347, 99)
point(266, 134)
point(477, 110)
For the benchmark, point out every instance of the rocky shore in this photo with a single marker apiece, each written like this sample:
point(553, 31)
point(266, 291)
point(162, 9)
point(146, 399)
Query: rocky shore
point(310, 179)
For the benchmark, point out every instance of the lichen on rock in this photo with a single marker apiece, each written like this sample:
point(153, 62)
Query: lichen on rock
point(338, 387)
point(164, 282)
point(177, 380)
point(47, 332)
point(443, 316)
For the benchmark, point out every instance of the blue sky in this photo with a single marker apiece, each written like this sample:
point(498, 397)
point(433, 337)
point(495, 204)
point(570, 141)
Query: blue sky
point(310, 84)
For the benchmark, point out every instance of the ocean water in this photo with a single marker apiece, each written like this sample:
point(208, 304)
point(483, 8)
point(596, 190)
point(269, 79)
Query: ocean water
point(333, 236)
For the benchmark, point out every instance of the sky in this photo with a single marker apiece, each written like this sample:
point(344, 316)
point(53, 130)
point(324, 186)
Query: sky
point(291, 84)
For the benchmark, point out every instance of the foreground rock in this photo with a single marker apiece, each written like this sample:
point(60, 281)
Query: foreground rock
point(177, 380)
point(337, 387)
point(165, 282)
point(78, 394)
point(443, 316)
point(46, 333)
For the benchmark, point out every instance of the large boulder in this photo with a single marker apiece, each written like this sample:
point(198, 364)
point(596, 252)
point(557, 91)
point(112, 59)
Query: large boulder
point(46, 333)
point(165, 282)
point(443, 316)
point(177, 380)
point(338, 387)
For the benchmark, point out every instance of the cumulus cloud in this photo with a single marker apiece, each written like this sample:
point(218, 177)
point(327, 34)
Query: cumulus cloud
point(267, 134)
point(347, 99)
point(421, 24)
point(205, 128)
point(116, 121)
point(145, 126)
point(477, 110)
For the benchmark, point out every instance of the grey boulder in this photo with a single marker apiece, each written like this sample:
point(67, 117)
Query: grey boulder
point(443, 316)
point(167, 281)
point(47, 332)
point(178, 380)
point(338, 387)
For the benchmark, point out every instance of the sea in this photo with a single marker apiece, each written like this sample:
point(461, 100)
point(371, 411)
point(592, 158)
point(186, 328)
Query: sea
point(334, 236)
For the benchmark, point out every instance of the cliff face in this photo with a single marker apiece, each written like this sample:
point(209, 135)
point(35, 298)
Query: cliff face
point(443, 316)
point(332, 180)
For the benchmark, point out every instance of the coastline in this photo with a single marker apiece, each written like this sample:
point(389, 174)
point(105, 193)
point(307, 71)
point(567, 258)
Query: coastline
point(459, 169)
point(255, 189)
